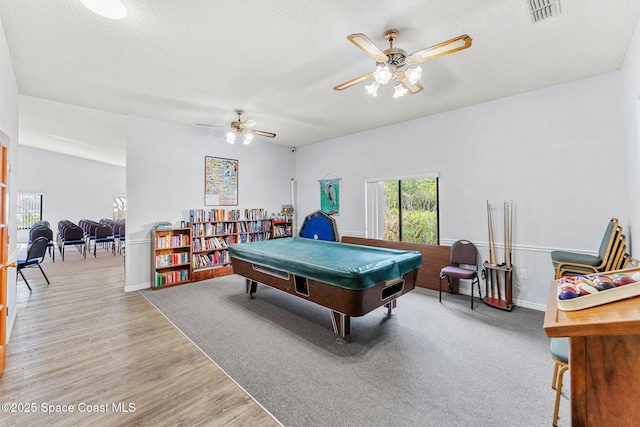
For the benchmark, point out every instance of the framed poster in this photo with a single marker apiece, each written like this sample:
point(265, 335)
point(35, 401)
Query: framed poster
point(220, 181)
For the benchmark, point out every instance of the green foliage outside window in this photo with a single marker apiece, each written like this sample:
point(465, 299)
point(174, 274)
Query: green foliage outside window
point(119, 207)
point(29, 210)
point(419, 201)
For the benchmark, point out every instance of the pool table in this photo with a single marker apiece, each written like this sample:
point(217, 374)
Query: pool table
point(350, 280)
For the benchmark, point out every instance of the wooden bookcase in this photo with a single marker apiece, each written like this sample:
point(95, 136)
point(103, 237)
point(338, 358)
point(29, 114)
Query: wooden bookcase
point(213, 230)
point(171, 257)
point(281, 228)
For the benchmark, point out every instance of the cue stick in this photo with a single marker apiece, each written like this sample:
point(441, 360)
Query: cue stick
point(491, 248)
point(510, 230)
point(504, 224)
point(489, 230)
point(495, 286)
point(488, 278)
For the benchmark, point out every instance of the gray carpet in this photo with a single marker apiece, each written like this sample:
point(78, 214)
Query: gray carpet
point(431, 364)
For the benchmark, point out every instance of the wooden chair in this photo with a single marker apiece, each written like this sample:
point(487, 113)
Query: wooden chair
point(560, 354)
point(613, 260)
point(463, 252)
point(565, 262)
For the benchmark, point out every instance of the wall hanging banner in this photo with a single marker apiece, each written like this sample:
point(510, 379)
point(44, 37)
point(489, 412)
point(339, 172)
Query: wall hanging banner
point(330, 196)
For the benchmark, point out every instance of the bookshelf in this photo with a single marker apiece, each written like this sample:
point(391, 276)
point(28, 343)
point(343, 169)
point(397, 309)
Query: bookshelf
point(282, 227)
point(171, 257)
point(214, 229)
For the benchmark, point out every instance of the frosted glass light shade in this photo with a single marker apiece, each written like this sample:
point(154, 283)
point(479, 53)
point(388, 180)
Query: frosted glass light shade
point(230, 137)
point(112, 9)
point(372, 89)
point(399, 90)
point(382, 74)
point(414, 74)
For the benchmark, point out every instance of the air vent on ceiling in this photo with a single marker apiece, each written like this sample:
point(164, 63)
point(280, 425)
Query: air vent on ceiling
point(543, 9)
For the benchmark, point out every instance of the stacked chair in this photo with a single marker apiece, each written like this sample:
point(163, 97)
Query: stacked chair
point(611, 255)
point(89, 230)
point(71, 234)
point(104, 237)
point(35, 255)
point(108, 233)
point(42, 229)
point(119, 232)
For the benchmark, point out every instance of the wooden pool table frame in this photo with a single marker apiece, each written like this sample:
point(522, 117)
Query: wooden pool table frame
point(344, 303)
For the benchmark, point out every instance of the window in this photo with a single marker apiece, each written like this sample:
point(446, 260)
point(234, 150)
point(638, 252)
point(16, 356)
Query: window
point(119, 207)
point(29, 210)
point(403, 209)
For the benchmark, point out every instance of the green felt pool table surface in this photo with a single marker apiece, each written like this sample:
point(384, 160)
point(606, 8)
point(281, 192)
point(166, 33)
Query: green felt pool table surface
point(350, 280)
point(340, 264)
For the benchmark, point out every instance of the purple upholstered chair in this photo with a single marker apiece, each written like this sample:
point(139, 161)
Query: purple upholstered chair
point(463, 252)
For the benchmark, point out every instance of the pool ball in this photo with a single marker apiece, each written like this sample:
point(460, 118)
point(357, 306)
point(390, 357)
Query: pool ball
point(567, 294)
point(621, 279)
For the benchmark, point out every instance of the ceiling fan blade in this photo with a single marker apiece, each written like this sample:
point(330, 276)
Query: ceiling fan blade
point(213, 126)
point(412, 88)
point(367, 46)
point(353, 82)
point(444, 48)
point(263, 133)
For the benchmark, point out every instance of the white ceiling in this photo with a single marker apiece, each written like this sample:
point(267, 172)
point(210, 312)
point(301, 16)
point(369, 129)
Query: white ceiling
point(196, 61)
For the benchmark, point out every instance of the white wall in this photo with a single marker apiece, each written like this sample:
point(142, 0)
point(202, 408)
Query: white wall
point(567, 156)
point(631, 115)
point(557, 153)
point(72, 188)
point(165, 179)
point(9, 126)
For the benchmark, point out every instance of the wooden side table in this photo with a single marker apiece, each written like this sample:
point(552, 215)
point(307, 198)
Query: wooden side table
point(604, 359)
point(494, 295)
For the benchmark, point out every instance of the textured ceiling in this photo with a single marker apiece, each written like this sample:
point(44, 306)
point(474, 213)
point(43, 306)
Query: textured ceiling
point(196, 61)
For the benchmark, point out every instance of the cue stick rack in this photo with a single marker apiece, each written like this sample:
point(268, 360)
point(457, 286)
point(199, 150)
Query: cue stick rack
point(499, 293)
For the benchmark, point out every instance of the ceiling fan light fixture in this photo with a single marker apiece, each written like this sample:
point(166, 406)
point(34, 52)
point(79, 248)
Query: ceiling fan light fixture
point(394, 62)
point(112, 9)
point(248, 137)
point(372, 89)
point(414, 74)
point(382, 75)
point(399, 90)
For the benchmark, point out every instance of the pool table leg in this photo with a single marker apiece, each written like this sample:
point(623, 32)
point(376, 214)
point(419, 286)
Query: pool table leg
point(390, 306)
point(251, 287)
point(341, 326)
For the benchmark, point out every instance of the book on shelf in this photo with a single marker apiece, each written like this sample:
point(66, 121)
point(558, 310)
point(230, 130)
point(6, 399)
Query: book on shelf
point(172, 241)
point(212, 259)
point(210, 243)
point(219, 215)
point(169, 260)
point(171, 277)
point(283, 230)
point(213, 215)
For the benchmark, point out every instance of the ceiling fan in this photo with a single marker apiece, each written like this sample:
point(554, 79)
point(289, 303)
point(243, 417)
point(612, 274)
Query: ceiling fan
point(395, 62)
point(242, 129)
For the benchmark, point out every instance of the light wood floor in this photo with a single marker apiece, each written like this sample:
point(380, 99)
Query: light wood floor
point(82, 341)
